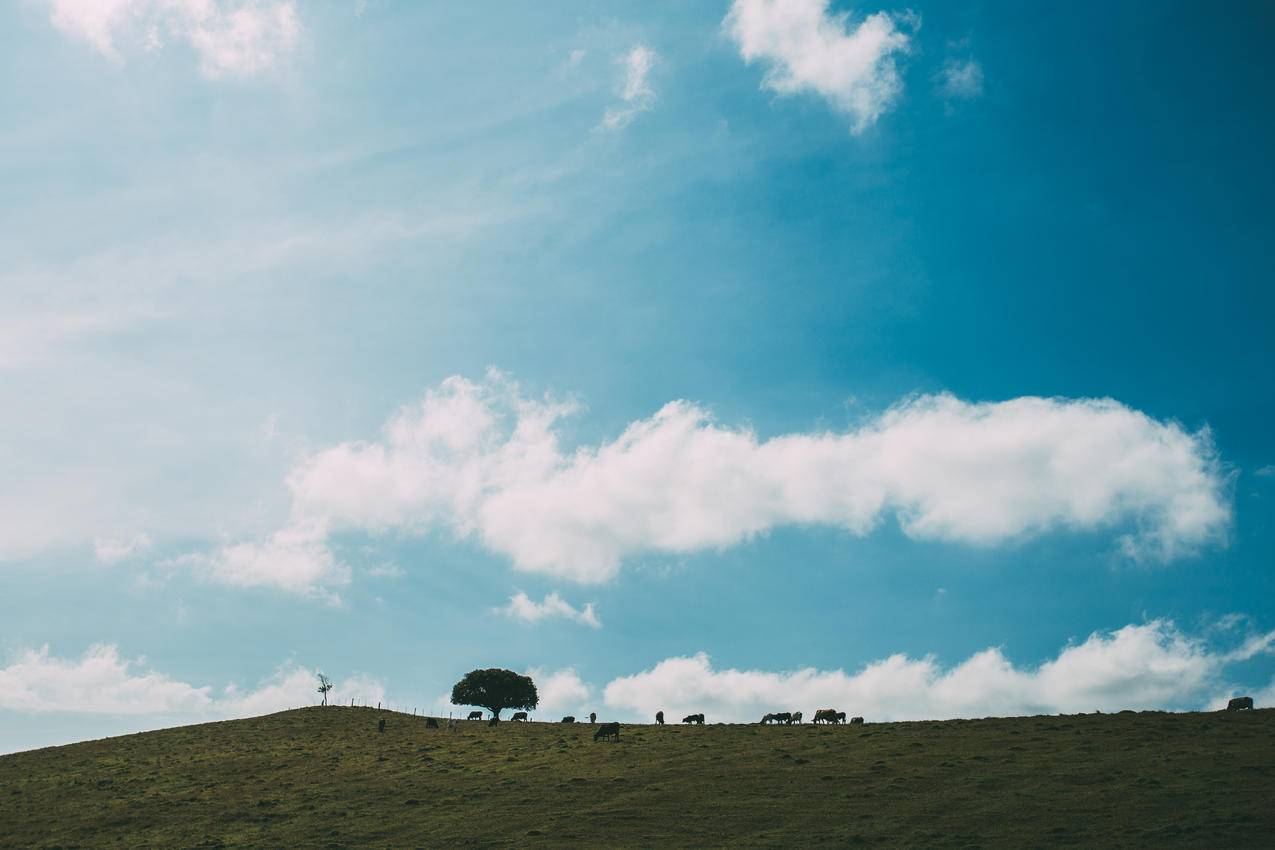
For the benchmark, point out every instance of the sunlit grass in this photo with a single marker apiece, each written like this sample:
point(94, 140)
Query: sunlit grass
point(324, 777)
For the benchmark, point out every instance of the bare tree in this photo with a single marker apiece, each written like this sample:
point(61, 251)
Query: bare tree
point(325, 685)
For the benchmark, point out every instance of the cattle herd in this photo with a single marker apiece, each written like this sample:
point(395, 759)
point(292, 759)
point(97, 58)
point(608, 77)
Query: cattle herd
point(611, 731)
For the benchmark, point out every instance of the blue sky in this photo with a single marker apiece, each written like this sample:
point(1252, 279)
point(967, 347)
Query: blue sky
point(728, 357)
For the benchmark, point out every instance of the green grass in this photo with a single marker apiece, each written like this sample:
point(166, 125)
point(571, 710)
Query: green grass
point(324, 777)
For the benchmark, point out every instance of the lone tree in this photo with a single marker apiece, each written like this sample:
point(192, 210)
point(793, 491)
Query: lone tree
point(495, 690)
point(325, 685)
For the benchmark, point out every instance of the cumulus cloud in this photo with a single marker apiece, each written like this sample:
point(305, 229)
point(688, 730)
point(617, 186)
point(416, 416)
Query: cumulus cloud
point(296, 558)
point(636, 95)
point(110, 551)
point(810, 49)
point(104, 682)
point(523, 607)
point(560, 691)
point(961, 80)
point(486, 462)
point(231, 37)
point(1148, 666)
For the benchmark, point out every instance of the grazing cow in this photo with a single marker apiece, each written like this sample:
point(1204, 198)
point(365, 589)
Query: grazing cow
point(840, 717)
point(593, 717)
point(494, 720)
point(1240, 704)
point(858, 720)
point(431, 723)
point(825, 715)
point(453, 725)
point(694, 718)
point(768, 719)
point(475, 715)
point(659, 718)
point(796, 717)
point(568, 719)
point(607, 730)
point(783, 716)
point(520, 715)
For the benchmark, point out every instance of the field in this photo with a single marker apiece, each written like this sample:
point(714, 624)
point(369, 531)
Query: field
point(324, 777)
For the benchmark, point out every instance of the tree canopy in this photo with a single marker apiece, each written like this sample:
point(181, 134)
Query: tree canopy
point(495, 690)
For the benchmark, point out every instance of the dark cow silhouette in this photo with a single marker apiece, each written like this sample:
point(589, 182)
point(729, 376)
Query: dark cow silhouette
point(380, 727)
point(593, 717)
point(768, 719)
point(694, 718)
point(431, 723)
point(568, 719)
point(825, 715)
point(607, 730)
point(840, 717)
point(796, 717)
point(1240, 704)
point(475, 715)
point(659, 717)
point(494, 720)
point(856, 720)
point(519, 715)
point(783, 716)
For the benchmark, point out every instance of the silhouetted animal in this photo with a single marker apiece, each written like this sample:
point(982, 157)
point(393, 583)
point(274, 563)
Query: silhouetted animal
point(431, 723)
point(840, 717)
point(694, 718)
point(659, 717)
point(519, 715)
point(768, 719)
point(1240, 704)
point(453, 725)
point(856, 719)
point(380, 727)
point(607, 730)
point(593, 717)
point(568, 719)
point(475, 715)
point(782, 716)
point(494, 720)
point(796, 717)
point(825, 715)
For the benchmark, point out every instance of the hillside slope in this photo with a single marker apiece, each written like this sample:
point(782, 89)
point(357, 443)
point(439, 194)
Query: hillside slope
point(324, 777)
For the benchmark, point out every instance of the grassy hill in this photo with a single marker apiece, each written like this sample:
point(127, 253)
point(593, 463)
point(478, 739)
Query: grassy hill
point(324, 777)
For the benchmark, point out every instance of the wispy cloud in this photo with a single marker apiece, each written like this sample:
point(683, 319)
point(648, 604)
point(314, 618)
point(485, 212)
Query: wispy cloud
point(523, 607)
point(110, 551)
point(232, 37)
point(961, 79)
point(808, 48)
point(636, 94)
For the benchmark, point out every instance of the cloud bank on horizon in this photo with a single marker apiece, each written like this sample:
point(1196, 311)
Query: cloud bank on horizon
point(1143, 666)
point(482, 460)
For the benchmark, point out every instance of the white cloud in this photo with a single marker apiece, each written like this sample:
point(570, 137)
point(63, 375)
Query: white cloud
point(810, 49)
point(1266, 471)
point(110, 551)
point(1147, 666)
point(296, 558)
point(231, 37)
point(104, 682)
point(486, 462)
point(523, 607)
point(637, 96)
point(560, 691)
point(961, 80)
